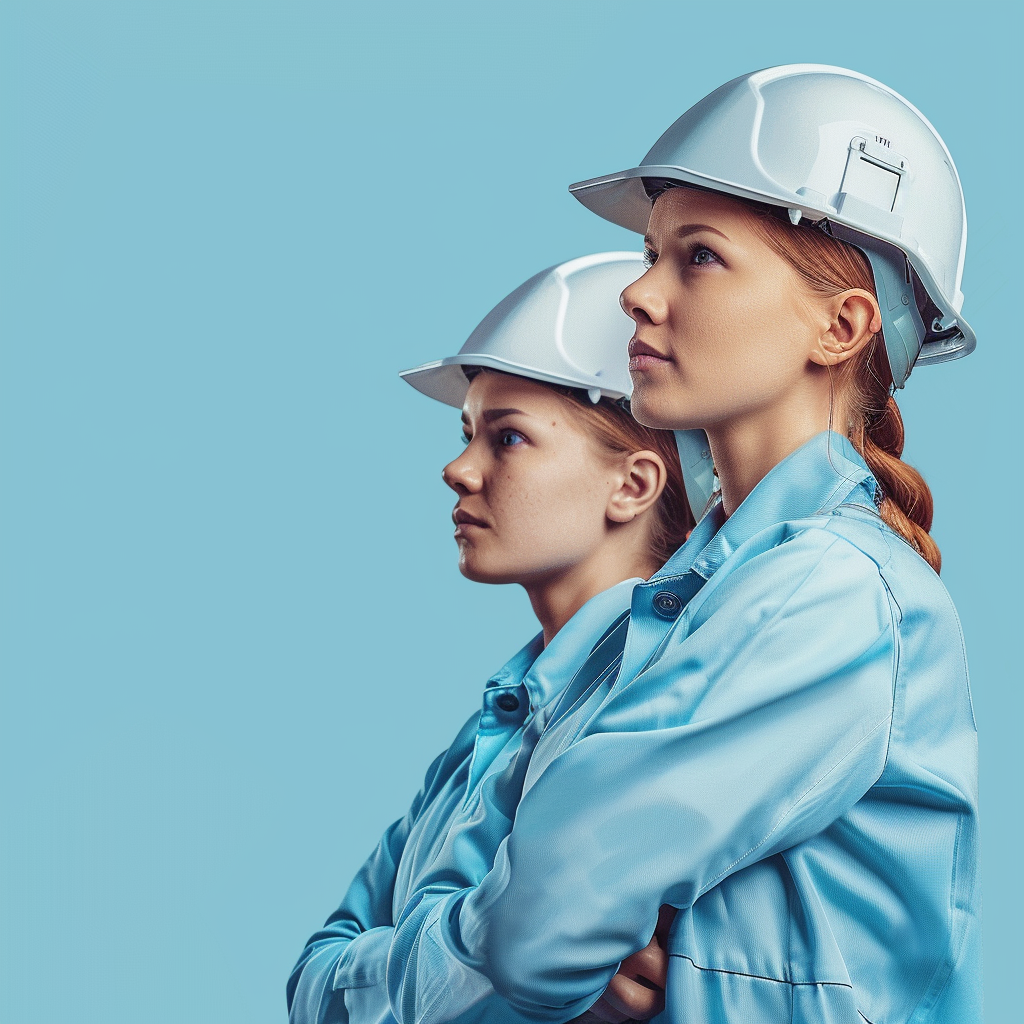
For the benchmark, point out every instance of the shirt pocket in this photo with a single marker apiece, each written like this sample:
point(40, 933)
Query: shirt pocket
point(756, 948)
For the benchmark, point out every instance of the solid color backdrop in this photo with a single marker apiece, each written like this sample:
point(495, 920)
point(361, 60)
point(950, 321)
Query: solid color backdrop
point(233, 632)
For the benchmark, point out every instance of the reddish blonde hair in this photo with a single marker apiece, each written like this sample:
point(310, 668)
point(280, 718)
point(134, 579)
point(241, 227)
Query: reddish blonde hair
point(616, 430)
point(829, 267)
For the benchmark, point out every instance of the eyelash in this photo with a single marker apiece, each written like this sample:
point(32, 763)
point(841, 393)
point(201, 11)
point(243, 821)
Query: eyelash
point(651, 257)
point(502, 434)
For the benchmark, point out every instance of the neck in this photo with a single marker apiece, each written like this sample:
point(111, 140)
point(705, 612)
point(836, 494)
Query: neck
point(556, 598)
point(748, 447)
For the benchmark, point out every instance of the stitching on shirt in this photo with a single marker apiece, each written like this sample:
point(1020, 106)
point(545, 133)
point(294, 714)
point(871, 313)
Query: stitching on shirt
point(777, 981)
point(833, 538)
point(714, 881)
point(556, 714)
point(707, 592)
point(931, 998)
point(569, 739)
point(897, 647)
point(879, 531)
point(827, 505)
point(761, 977)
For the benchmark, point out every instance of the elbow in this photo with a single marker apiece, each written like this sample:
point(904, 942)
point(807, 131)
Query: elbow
point(536, 984)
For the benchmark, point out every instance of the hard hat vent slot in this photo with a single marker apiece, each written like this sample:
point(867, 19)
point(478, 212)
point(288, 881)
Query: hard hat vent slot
point(873, 174)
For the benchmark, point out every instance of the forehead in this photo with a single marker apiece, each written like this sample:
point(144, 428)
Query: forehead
point(678, 207)
point(491, 389)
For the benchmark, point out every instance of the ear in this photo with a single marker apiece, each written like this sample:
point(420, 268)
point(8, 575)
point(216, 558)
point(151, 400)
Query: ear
point(854, 319)
point(641, 480)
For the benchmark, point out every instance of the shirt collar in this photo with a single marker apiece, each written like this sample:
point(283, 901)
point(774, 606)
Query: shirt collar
point(545, 671)
point(818, 476)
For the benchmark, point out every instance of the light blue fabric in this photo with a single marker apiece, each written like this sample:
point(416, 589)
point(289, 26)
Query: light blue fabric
point(340, 976)
point(787, 754)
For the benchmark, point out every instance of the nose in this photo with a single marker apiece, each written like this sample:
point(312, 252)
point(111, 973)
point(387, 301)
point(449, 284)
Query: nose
point(643, 302)
point(462, 475)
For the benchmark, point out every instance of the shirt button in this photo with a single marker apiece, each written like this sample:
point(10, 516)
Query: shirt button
point(666, 604)
point(507, 702)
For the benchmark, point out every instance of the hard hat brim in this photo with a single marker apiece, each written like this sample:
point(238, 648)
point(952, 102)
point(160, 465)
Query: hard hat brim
point(445, 381)
point(622, 199)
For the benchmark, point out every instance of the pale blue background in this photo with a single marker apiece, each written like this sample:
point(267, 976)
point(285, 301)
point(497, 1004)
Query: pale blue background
point(233, 630)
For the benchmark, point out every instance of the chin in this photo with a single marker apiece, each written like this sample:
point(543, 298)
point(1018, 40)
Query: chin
point(665, 408)
point(654, 408)
point(473, 569)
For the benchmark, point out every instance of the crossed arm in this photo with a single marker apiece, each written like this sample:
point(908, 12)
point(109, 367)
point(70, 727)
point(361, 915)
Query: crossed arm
point(754, 733)
point(340, 977)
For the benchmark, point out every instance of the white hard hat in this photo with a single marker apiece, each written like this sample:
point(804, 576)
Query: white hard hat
point(837, 148)
point(563, 326)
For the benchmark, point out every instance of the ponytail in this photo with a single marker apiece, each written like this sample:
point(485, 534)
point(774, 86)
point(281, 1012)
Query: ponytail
point(828, 267)
point(906, 504)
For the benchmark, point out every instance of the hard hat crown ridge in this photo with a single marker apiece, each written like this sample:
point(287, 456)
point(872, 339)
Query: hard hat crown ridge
point(835, 148)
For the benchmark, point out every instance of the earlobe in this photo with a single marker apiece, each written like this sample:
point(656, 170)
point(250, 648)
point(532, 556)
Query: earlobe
point(641, 482)
point(854, 321)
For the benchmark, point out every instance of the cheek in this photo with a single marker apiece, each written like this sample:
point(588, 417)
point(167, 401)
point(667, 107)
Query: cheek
point(734, 346)
point(549, 518)
point(553, 508)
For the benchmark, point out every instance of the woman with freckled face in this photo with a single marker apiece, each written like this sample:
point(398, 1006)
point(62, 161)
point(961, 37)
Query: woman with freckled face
point(533, 503)
point(786, 758)
point(561, 491)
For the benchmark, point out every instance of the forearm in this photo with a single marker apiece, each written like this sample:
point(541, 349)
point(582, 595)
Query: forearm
point(730, 748)
point(432, 978)
point(336, 961)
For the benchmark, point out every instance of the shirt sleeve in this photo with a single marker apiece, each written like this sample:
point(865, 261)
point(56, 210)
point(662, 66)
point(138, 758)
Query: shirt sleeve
point(762, 723)
point(350, 952)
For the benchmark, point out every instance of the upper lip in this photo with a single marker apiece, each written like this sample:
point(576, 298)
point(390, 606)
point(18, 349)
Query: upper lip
point(460, 516)
point(637, 347)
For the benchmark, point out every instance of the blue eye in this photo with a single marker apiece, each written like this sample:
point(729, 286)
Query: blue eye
point(510, 438)
point(465, 438)
point(702, 256)
point(650, 257)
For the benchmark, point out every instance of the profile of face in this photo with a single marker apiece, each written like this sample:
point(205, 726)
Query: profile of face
point(726, 329)
point(539, 497)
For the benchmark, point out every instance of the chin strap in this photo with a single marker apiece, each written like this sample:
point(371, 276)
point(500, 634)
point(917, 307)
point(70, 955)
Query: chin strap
point(698, 469)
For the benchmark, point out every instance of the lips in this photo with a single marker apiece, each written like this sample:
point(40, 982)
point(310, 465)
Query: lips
point(460, 517)
point(641, 348)
point(643, 356)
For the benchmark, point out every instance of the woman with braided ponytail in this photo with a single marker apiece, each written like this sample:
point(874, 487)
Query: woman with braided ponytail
point(875, 424)
point(785, 764)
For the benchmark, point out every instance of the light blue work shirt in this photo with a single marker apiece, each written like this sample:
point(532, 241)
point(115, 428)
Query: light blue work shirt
point(788, 755)
point(339, 978)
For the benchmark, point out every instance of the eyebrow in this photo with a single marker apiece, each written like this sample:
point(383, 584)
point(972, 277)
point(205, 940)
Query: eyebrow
point(491, 415)
point(690, 229)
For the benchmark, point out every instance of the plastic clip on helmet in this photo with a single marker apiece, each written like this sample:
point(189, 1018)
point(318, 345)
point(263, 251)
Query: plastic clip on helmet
point(834, 148)
point(563, 326)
